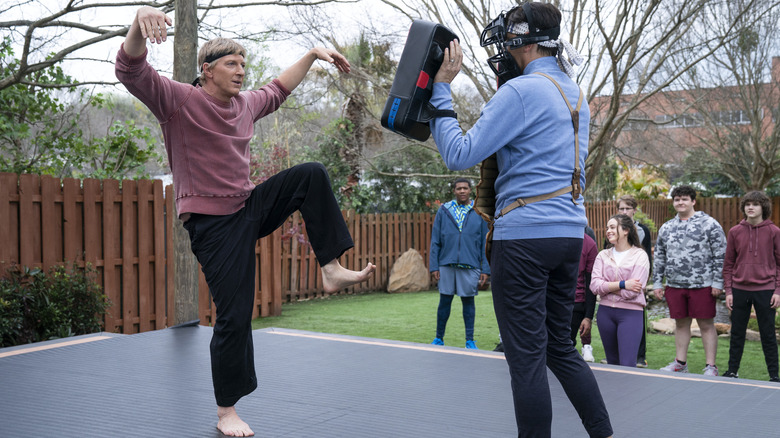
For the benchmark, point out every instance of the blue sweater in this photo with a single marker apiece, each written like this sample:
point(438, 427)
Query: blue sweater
point(529, 126)
point(452, 246)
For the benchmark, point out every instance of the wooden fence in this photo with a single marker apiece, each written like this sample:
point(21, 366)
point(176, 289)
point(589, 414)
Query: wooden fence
point(724, 210)
point(120, 232)
point(123, 229)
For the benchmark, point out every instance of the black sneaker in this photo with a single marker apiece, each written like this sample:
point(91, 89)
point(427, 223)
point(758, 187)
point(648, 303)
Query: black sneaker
point(774, 379)
point(732, 374)
point(499, 347)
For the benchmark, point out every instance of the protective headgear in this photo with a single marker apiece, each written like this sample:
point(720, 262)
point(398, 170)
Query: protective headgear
point(503, 64)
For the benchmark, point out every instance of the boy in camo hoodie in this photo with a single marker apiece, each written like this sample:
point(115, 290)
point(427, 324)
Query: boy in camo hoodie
point(689, 253)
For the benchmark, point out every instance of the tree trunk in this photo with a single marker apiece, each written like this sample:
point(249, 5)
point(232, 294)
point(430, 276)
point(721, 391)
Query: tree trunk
point(185, 44)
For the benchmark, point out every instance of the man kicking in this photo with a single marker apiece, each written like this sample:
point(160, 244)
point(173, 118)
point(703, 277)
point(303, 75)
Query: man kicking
point(207, 128)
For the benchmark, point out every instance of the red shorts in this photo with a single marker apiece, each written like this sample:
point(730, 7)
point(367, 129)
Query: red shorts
point(690, 303)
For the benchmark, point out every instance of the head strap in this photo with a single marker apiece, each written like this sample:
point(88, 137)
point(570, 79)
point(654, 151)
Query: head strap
point(214, 56)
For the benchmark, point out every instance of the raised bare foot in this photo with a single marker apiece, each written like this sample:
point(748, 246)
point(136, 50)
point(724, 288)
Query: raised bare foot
point(230, 424)
point(336, 277)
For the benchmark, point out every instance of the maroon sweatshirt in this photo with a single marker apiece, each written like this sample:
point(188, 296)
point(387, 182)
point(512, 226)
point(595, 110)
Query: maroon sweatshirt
point(207, 140)
point(752, 260)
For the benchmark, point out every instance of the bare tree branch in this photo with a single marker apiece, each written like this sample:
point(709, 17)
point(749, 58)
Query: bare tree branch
point(212, 6)
point(36, 53)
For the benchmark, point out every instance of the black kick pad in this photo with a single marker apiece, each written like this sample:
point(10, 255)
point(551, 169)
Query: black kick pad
point(408, 109)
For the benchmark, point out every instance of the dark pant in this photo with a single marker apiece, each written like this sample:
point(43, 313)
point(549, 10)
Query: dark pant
point(225, 248)
point(578, 314)
point(620, 331)
point(533, 295)
point(443, 314)
point(765, 316)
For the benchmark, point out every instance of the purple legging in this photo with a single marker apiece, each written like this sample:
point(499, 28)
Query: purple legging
point(621, 333)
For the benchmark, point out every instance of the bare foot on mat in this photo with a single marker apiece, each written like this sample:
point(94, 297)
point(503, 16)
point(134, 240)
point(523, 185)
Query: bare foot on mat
point(230, 424)
point(336, 277)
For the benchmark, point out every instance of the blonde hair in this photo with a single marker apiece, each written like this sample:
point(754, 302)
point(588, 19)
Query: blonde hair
point(215, 49)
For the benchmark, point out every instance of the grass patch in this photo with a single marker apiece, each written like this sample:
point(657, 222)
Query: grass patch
point(402, 317)
point(411, 317)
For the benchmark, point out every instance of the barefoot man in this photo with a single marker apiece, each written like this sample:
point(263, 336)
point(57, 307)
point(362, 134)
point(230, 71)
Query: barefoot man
point(207, 127)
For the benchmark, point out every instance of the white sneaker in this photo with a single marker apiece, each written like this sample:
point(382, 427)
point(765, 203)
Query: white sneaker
point(710, 370)
point(587, 353)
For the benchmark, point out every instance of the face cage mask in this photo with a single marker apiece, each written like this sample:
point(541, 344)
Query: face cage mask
point(502, 63)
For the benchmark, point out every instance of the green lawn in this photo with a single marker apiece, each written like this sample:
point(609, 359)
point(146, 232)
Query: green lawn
point(412, 317)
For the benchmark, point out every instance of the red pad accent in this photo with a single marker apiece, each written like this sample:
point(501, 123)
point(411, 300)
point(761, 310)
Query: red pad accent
point(422, 80)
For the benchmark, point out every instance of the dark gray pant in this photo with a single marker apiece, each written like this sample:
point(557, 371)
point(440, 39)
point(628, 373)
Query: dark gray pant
point(225, 248)
point(765, 316)
point(533, 294)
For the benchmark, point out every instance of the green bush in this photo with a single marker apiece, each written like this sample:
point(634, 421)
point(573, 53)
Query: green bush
point(37, 306)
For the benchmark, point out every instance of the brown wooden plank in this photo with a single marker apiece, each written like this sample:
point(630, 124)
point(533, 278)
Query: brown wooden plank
point(276, 261)
point(776, 210)
point(93, 225)
point(377, 249)
point(302, 257)
point(29, 220)
point(9, 188)
point(303, 271)
point(364, 255)
point(145, 237)
point(266, 277)
point(384, 251)
point(51, 222)
point(129, 283)
point(289, 262)
point(396, 240)
point(170, 213)
point(303, 263)
point(158, 210)
point(415, 226)
point(73, 221)
point(110, 255)
point(314, 273)
point(410, 230)
point(92, 237)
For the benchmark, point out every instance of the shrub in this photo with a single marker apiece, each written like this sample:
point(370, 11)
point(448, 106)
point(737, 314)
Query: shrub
point(37, 306)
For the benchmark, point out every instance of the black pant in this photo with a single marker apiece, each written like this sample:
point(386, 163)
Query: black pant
point(578, 314)
point(765, 316)
point(225, 248)
point(533, 294)
point(643, 343)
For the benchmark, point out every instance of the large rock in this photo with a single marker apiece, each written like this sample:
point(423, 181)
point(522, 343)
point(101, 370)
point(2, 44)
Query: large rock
point(667, 326)
point(663, 325)
point(752, 335)
point(409, 273)
point(722, 328)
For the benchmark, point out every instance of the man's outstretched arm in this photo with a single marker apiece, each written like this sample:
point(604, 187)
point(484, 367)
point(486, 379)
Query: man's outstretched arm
point(148, 23)
point(294, 74)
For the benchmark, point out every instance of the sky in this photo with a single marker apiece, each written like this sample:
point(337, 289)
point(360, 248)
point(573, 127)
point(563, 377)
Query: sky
point(283, 53)
point(339, 20)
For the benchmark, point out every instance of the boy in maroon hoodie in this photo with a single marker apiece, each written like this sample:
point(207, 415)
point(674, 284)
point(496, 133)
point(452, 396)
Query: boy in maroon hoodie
point(751, 278)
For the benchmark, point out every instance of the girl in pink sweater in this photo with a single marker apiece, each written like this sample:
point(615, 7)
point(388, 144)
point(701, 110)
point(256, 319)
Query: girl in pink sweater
point(619, 279)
